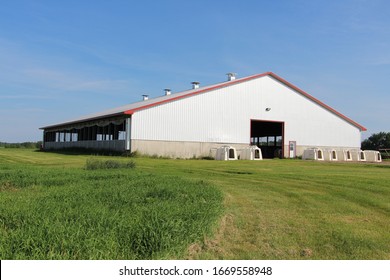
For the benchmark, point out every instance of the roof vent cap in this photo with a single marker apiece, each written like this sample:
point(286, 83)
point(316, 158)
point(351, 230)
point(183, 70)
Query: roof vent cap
point(231, 76)
point(195, 85)
point(167, 91)
point(145, 97)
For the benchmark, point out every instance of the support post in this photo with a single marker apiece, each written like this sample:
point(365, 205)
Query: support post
point(128, 134)
point(44, 139)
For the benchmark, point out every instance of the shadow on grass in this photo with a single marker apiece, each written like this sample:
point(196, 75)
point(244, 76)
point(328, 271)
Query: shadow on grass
point(85, 151)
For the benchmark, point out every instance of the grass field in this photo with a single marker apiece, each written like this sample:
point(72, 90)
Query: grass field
point(104, 210)
point(272, 209)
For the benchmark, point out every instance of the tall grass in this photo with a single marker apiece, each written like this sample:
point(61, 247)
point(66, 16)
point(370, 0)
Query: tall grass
point(54, 213)
point(94, 163)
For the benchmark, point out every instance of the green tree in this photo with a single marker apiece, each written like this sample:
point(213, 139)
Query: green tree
point(377, 141)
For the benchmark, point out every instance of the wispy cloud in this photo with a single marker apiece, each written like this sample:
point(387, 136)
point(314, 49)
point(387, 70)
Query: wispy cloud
point(379, 60)
point(22, 110)
point(25, 96)
point(71, 81)
point(20, 68)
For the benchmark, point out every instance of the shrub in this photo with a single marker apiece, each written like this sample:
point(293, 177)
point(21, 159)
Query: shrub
point(130, 164)
point(93, 164)
point(207, 158)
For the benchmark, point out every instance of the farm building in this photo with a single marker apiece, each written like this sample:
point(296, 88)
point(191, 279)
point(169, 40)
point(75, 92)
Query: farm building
point(263, 110)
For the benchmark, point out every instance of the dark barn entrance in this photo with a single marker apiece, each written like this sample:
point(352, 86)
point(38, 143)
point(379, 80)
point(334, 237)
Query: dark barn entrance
point(268, 136)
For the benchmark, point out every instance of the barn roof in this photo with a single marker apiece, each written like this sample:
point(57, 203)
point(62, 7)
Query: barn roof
point(130, 109)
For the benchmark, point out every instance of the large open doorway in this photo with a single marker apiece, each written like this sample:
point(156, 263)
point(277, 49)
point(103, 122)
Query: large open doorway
point(268, 136)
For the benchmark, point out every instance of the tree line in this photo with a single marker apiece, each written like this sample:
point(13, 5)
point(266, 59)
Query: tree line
point(377, 141)
point(28, 145)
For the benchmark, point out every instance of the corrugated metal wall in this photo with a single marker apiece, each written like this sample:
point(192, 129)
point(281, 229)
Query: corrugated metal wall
point(224, 115)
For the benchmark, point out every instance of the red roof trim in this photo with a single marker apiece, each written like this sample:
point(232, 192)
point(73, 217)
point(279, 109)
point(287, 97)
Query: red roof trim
point(362, 128)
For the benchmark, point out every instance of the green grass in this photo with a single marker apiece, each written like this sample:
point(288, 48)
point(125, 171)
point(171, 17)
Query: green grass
point(284, 209)
point(272, 209)
point(94, 164)
point(73, 213)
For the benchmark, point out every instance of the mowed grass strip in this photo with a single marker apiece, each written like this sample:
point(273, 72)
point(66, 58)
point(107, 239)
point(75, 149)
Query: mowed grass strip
point(273, 209)
point(294, 209)
point(73, 213)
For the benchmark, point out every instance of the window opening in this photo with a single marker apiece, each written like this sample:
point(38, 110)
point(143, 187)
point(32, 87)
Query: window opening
point(231, 153)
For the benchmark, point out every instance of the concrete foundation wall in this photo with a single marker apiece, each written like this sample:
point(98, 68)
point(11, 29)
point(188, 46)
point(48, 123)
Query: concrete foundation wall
point(172, 149)
point(179, 149)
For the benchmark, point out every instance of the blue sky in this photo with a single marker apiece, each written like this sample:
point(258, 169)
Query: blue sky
point(63, 59)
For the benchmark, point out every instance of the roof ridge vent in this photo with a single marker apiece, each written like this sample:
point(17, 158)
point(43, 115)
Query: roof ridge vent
point(195, 85)
point(231, 76)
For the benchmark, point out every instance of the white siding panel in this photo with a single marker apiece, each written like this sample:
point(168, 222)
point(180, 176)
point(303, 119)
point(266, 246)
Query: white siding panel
point(307, 122)
point(223, 115)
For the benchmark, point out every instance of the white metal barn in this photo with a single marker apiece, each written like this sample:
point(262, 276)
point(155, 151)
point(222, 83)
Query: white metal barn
point(263, 110)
